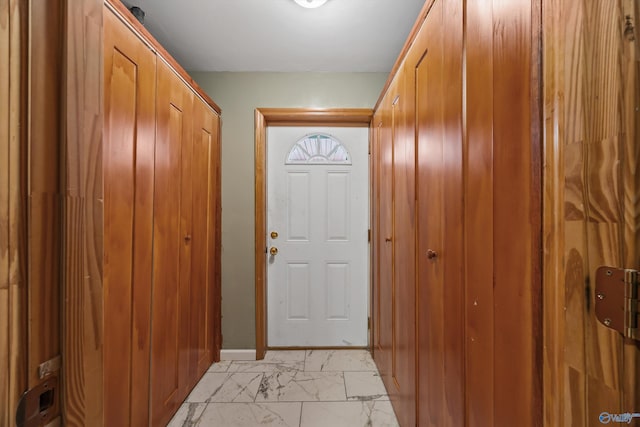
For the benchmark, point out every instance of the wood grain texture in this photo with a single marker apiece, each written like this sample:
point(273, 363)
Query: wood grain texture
point(82, 220)
point(358, 117)
point(186, 299)
point(129, 205)
point(479, 214)
point(516, 284)
point(374, 196)
point(129, 141)
point(439, 202)
point(631, 190)
point(204, 217)
point(591, 98)
point(182, 135)
point(264, 117)
point(404, 249)
point(478, 192)
point(556, 379)
point(44, 193)
point(502, 207)
point(430, 178)
point(171, 251)
point(383, 236)
point(217, 289)
point(453, 157)
point(13, 257)
point(260, 190)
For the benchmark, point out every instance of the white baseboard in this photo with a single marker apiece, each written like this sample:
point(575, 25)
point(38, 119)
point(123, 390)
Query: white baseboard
point(237, 354)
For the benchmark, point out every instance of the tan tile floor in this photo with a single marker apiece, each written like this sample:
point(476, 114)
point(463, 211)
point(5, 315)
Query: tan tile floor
point(301, 388)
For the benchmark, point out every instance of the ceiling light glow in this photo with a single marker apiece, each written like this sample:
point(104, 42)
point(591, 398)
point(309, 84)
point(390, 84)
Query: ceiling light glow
point(310, 4)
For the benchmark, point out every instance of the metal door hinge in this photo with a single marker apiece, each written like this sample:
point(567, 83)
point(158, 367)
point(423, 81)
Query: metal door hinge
point(369, 235)
point(369, 323)
point(617, 300)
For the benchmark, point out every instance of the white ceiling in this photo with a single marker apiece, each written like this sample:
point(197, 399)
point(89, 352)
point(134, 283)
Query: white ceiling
point(279, 35)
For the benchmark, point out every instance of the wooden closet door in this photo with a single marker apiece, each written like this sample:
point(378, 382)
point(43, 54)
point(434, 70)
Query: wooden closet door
point(128, 138)
point(383, 317)
point(403, 297)
point(171, 268)
point(203, 275)
point(440, 256)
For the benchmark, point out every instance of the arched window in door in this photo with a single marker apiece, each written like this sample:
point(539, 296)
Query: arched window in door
point(319, 149)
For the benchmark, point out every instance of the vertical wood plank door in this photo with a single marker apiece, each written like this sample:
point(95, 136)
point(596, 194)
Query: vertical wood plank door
point(202, 299)
point(169, 361)
point(403, 353)
point(383, 299)
point(591, 99)
point(439, 204)
point(128, 143)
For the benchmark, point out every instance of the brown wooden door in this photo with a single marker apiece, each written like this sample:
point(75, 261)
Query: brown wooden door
point(172, 231)
point(203, 277)
point(440, 256)
point(432, 255)
point(403, 353)
point(394, 293)
point(384, 233)
point(128, 144)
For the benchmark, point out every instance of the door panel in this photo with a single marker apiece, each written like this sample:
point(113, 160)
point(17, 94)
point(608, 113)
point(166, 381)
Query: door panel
point(432, 254)
point(384, 237)
point(205, 128)
point(318, 294)
point(403, 355)
point(479, 225)
point(440, 256)
point(129, 129)
point(169, 362)
point(120, 144)
point(185, 244)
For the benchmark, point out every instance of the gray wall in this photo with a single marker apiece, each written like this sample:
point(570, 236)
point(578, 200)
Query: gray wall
point(239, 94)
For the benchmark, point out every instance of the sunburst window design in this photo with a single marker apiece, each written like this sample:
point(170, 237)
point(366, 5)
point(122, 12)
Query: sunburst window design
point(318, 149)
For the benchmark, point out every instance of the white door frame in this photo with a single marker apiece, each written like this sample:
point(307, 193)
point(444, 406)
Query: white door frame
point(265, 117)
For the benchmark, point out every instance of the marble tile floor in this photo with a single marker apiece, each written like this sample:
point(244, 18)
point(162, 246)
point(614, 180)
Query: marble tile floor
point(299, 388)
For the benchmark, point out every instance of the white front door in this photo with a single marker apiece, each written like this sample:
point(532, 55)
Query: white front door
point(318, 203)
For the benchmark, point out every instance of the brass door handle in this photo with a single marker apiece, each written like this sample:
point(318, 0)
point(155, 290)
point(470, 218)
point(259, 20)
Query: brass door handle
point(187, 238)
point(273, 250)
point(387, 239)
point(274, 234)
point(432, 254)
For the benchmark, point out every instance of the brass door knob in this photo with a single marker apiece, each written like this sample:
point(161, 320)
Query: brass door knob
point(273, 250)
point(387, 239)
point(274, 234)
point(432, 254)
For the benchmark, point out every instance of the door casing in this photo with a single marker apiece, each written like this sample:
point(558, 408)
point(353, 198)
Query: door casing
point(284, 117)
